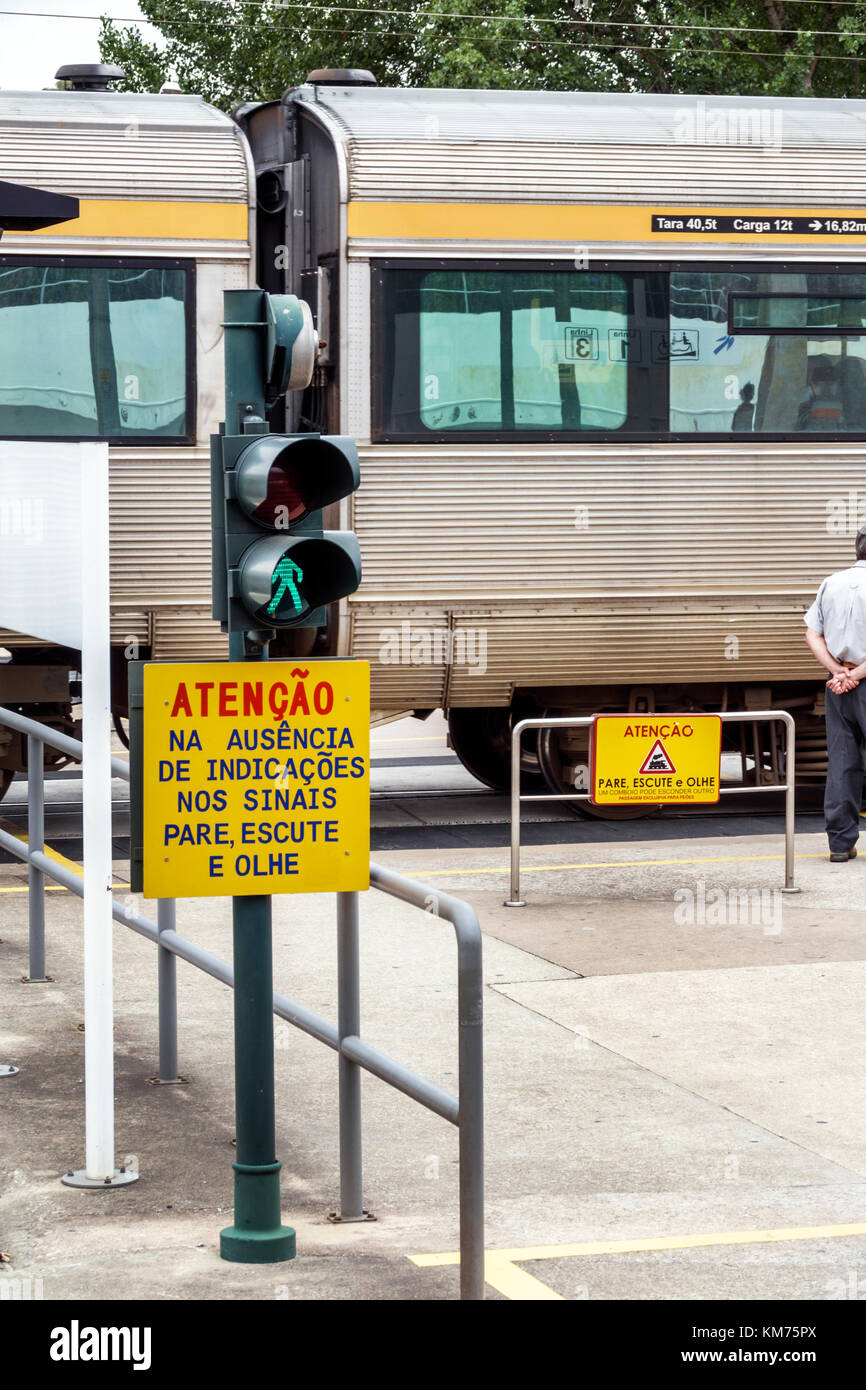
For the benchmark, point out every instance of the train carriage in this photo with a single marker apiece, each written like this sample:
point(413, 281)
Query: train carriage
point(110, 327)
point(604, 355)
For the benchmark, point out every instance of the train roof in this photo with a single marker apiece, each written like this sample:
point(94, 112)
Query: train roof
point(511, 147)
point(120, 145)
point(83, 109)
point(611, 118)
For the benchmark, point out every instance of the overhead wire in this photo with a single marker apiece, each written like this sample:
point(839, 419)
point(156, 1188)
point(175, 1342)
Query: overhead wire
point(581, 41)
point(528, 20)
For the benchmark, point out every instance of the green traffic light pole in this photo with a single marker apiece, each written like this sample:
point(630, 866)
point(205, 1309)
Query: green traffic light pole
point(257, 1235)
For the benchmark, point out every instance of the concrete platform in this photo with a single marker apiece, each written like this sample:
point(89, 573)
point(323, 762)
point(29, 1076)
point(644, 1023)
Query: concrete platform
point(649, 1078)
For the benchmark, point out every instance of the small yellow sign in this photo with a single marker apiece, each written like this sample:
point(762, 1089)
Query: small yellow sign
point(655, 757)
point(256, 778)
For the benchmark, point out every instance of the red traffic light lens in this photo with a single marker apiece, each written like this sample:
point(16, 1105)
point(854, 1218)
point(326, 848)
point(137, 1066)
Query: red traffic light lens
point(281, 479)
point(284, 503)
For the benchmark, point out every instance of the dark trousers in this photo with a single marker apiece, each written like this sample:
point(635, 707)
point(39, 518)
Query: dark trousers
point(846, 740)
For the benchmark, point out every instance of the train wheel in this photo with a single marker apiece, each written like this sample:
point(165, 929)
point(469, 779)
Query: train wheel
point(60, 719)
point(121, 728)
point(481, 738)
point(563, 756)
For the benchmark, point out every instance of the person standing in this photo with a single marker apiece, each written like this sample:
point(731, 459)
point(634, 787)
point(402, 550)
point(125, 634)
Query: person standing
point(836, 636)
point(823, 408)
point(744, 415)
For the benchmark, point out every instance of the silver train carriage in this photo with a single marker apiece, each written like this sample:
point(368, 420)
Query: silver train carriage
point(110, 327)
point(604, 356)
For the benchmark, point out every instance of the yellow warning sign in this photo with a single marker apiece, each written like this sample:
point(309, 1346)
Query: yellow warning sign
point(256, 778)
point(657, 758)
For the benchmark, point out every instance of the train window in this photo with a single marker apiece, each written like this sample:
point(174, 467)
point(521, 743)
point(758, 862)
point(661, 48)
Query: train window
point(792, 313)
point(757, 351)
point(95, 350)
point(502, 351)
point(617, 351)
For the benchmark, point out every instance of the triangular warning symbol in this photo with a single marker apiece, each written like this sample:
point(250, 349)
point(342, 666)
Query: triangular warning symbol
point(657, 760)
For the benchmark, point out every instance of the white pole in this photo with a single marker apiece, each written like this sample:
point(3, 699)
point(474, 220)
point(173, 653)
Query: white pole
point(96, 779)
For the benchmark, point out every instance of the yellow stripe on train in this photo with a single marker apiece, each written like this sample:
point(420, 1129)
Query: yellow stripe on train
point(167, 221)
point(583, 222)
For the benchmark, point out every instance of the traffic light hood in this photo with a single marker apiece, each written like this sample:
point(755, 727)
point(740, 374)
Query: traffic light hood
point(283, 580)
point(281, 479)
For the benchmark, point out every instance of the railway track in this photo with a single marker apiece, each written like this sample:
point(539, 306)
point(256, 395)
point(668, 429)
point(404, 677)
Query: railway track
point(409, 809)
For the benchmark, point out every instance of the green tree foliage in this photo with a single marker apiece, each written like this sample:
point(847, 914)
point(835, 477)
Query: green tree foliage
point(230, 51)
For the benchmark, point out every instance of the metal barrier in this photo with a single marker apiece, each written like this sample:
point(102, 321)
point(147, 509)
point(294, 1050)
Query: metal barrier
point(586, 720)
point(465, 1110)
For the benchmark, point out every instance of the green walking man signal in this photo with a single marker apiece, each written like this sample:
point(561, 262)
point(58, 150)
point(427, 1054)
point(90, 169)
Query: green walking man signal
point(283, 578)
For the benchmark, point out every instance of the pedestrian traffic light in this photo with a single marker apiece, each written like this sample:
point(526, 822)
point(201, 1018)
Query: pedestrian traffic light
point(279, 484)
point(275, 566)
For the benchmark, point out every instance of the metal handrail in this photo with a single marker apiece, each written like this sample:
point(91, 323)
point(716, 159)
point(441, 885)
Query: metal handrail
point(579, 721)
point(465, 1110)
point(72, 747)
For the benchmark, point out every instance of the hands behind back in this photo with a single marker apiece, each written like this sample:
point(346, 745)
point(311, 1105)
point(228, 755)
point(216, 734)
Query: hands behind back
point(842, 682)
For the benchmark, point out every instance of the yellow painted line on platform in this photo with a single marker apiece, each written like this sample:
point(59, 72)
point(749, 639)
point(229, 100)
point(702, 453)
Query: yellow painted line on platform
point(49, 853)
point(408, 738)
point(61, 859)
point(25, 888)
point(57, 858)
point(500, 1271)
point(517, 1284)
point(606, 864)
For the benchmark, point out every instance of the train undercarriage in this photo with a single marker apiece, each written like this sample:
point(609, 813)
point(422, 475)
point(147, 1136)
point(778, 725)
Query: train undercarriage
point(35, 682)
point(43, 684)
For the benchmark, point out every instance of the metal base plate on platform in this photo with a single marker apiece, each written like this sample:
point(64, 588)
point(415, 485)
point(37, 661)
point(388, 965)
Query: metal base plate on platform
point(175, 1081)
point(257, 1247)
point(337, 1220)
point(6, 1069)
point(80, 1179)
